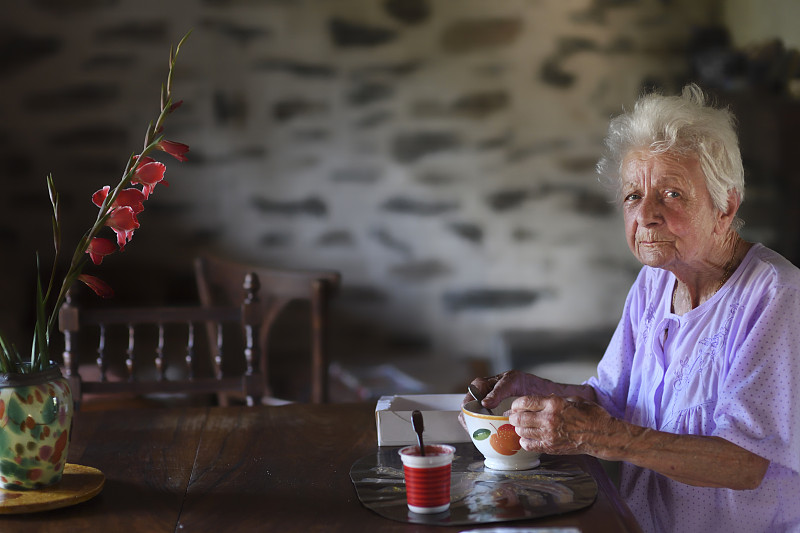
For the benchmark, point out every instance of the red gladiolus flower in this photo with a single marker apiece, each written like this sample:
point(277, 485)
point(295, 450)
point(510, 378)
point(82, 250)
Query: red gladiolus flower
point(174, 149)
point(123, 222)
point(149, 172)
point(100, 248)
point(100, 287)
point(132, 198)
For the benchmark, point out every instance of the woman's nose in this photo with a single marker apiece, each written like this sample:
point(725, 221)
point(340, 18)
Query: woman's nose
point(649, 211)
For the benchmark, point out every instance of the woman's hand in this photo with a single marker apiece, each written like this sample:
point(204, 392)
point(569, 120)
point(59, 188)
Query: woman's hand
point(569, 425)
point(560, 425)
point(515, 383)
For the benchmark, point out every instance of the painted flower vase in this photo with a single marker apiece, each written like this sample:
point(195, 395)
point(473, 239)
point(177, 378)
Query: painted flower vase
point(35, 423)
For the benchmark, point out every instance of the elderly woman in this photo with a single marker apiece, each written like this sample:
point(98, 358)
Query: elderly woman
point(695, 393)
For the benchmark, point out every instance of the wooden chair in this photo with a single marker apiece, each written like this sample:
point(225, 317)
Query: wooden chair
point(216, 286)
point(143, 374)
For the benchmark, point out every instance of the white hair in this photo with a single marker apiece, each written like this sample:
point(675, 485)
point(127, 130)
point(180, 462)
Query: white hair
point(686, 125)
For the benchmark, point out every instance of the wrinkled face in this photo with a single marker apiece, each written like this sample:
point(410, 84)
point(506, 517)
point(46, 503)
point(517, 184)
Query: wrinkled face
point(670, 219)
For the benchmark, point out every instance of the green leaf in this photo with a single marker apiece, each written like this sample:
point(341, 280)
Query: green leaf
point(481, 434)
point(39, 347)
point(7, 356)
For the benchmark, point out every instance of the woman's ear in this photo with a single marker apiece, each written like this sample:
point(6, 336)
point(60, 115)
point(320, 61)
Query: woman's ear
point(727, 217)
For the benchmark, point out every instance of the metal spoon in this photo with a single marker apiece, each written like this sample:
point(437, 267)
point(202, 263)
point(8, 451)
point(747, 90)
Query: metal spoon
point(473, 390)
point(419, 427)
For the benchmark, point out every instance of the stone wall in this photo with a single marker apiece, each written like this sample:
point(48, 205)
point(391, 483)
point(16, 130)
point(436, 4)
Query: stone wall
point(439, 153)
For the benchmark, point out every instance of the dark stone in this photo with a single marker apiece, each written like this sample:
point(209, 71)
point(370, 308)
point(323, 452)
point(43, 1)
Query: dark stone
point(471, 35)
point(408, 11)
point(388, 240)
point(350, 34)
point(361, 294)
point(83, 96)
point(621, 45)
point(579, 164)
point(489, 299)
point(508, 199)
point(369, 93)
point(436, 179)
point(274, 240)
point(74, 5)
point(410, 147)
point(421, 270)
point(18, 51)
point(527, 346)
point(336, 238)
point(298, 68)
point(288, 109)
point(249, 3)
point(255, 152)
point(312, 206)
point(250, 152)
point(551, 73)
point(204, 236)
point(383, 70)
point(493, 143)
point(96, 166)
point(372, 120)
point(409, 342)
point(311, 135)
point(91, 136)
point(543, 147)
point(568, 46)
point(167, 208)
point(428, 109)
point(146, 32)
point(242, 35)
point(108, 61)
point(596, 12)
point(481, 104)
point(523, 234)
point(470, 232)
point(590, 203)
point(357, 174)
point(410, 206)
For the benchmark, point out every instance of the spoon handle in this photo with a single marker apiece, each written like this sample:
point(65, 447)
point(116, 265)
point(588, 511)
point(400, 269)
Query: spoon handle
point(473, 390)
point(419, 427)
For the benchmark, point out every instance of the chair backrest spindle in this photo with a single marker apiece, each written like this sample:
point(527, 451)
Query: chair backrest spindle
point(160, 361)
point(189, 358)
point(130, 352)
point(268, 291)
point(142, 375)
point(101, 353)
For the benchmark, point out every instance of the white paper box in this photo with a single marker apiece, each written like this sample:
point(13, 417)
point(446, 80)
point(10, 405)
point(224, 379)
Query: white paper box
point(439, 414)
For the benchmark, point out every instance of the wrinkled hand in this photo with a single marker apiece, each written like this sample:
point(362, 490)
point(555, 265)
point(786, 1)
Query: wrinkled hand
point(512, 383)
point(560, 426)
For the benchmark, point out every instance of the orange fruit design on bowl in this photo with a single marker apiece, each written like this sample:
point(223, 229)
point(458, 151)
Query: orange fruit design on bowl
point(506, 440)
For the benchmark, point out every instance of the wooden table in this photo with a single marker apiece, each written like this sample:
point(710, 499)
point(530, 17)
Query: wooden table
point(247, 469)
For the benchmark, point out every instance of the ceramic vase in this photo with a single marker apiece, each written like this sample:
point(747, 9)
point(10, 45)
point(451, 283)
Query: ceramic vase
point(35, 423)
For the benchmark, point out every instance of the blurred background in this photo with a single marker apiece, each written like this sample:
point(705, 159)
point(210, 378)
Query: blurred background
point(438, 153)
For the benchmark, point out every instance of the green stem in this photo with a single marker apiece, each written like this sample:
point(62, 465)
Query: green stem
point(41, 339)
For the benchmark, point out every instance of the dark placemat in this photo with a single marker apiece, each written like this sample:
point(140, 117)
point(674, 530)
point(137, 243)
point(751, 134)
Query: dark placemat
point(478, 495)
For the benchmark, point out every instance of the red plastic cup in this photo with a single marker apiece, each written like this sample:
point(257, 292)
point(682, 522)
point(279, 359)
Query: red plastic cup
point(427, 478)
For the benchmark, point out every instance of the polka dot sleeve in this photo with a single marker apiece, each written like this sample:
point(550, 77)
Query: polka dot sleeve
point(758, 407)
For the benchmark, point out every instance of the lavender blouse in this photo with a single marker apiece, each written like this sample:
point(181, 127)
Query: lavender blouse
point(728, 368)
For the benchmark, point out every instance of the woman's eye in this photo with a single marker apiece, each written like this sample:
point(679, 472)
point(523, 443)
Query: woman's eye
point(673, 194)
point(632, 196)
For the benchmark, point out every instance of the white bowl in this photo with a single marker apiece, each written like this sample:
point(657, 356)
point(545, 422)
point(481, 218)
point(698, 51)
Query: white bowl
point(496, 438)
